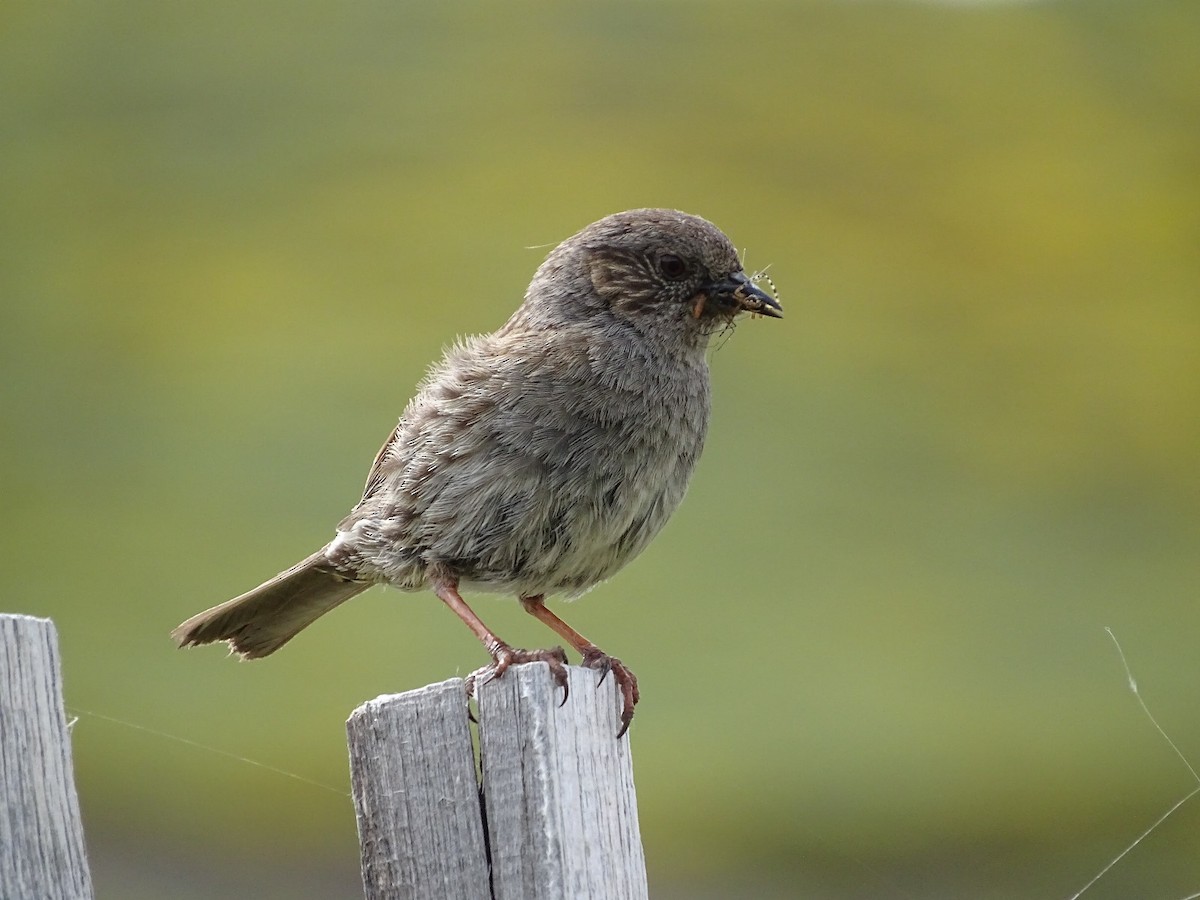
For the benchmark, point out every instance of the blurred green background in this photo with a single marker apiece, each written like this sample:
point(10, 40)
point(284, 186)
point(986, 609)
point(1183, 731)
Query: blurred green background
point(871, 643)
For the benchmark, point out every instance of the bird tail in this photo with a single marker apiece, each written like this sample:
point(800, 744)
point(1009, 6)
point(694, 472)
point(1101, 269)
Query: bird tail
point(261, 621)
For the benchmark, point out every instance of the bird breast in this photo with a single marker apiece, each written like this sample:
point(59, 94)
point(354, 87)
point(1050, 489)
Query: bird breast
point(540, 468)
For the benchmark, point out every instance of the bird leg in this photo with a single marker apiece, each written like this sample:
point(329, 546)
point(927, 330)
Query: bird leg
point(593, 657)
point(502, 654)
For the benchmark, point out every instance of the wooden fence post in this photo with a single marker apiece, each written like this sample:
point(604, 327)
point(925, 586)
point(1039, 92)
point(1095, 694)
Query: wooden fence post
point(561, 812)
point(42, 851)
point(412, 773)
point(558, 786)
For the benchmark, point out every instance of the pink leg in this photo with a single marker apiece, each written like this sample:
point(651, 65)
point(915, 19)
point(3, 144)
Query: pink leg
point(593, 657)
point(502, 654)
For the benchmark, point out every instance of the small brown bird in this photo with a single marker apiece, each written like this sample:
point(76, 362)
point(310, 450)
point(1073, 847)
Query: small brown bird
point(538, 459)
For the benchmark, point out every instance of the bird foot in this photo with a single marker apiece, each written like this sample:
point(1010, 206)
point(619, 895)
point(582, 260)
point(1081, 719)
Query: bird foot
point(626, 682)
point(504, 656)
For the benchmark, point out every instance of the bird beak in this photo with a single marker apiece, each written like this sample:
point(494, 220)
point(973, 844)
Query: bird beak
point(737, 293)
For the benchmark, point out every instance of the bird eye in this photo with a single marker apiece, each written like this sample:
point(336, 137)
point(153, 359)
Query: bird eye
point(672, 266)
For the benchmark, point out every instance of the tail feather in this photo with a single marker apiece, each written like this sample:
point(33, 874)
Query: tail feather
point(261, 621)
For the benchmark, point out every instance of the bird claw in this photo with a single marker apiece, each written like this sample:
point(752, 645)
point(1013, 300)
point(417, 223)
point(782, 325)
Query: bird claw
point(505, 656)
point(626, 682)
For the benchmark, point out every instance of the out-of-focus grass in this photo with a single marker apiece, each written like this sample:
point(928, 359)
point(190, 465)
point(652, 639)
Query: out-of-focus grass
point(871, 642)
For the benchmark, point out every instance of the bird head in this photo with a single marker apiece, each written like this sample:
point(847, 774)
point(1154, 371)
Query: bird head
point(658, 270)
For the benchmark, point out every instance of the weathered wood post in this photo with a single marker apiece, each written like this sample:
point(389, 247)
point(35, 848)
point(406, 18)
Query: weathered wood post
point(412, 772)
point(42, 851)
point(559, 812)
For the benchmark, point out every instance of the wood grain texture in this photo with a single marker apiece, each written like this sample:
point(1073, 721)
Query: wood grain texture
point(416, 796)
point(42, 851)
point(560, 801)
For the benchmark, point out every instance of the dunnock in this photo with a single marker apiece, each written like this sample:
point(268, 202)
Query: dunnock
point(538, 459)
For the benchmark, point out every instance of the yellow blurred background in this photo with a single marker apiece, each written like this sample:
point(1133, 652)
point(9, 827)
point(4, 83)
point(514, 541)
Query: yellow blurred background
point(871, 644)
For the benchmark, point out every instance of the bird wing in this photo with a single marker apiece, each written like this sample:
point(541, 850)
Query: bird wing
point(375, 478)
